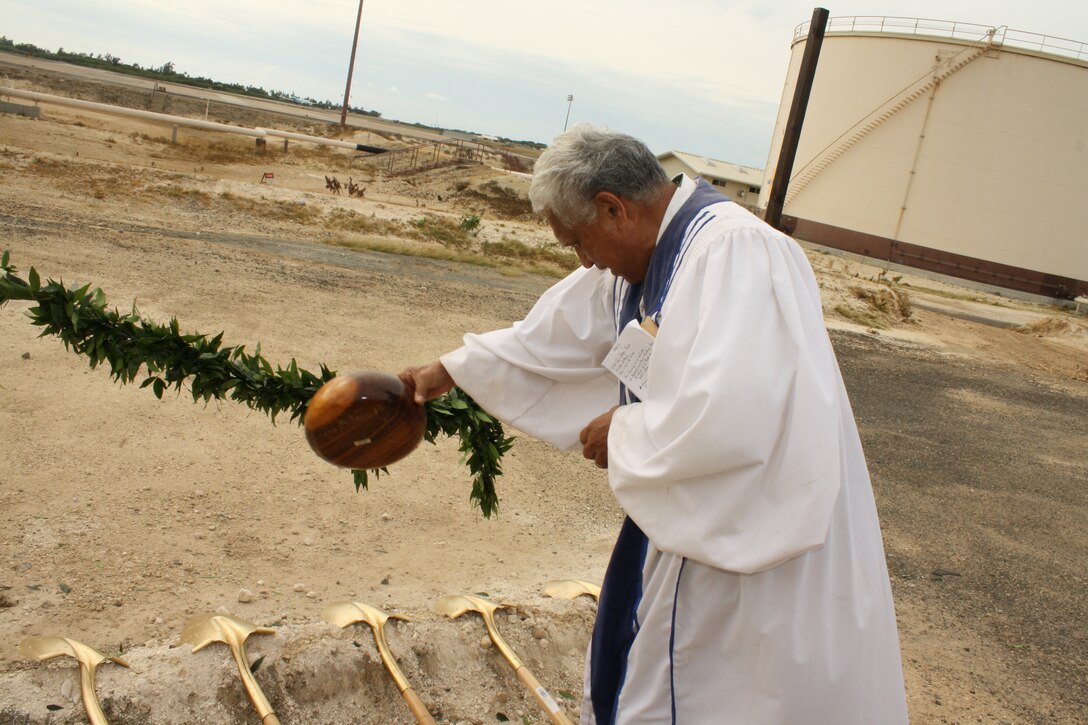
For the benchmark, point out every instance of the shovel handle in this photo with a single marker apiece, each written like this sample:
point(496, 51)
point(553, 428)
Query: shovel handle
point(543, 698)
point(419, 710)
point(95, 715)
point(260, 702)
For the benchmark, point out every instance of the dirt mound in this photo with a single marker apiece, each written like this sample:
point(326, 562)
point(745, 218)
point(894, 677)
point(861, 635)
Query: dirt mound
point(499, 199)
point(872, 305)
point(1059, 329)
point(315, 672)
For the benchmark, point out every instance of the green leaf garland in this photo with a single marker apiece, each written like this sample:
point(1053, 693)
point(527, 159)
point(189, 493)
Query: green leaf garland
point(166, 358)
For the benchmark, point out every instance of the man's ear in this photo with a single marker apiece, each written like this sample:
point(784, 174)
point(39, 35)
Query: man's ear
point(610, 206)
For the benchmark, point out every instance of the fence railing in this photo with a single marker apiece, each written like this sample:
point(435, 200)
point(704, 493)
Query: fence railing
point(972, 32)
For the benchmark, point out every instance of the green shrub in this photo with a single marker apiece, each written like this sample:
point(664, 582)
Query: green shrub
point(470, 223)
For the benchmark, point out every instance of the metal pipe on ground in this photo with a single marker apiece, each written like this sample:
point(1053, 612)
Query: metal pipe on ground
point(136, 113)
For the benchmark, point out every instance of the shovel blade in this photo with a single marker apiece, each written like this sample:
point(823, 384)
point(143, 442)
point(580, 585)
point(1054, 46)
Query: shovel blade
point(203, 629)
point(571, 589)
point(345, 614)
point(454, 605)
point(46, 648)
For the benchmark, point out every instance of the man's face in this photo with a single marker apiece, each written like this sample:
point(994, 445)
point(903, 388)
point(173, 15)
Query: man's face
point(601, 243)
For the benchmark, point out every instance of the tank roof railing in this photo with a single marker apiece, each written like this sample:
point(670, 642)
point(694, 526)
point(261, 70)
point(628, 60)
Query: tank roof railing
point(971, 32)
point(1043, 43)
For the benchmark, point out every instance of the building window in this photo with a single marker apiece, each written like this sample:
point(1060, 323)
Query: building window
point(753, 189)
point(717, 182)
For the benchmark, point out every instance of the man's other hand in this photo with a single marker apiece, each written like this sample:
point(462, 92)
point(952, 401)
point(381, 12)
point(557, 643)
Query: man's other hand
point(594, 438)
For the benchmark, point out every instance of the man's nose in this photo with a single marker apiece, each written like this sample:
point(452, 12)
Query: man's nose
point(586, 261)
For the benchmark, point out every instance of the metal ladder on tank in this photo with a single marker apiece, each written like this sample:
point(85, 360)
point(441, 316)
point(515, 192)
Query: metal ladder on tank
point(889, 108)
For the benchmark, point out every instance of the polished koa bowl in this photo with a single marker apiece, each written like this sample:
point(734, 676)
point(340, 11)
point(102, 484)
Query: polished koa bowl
point(364, 420)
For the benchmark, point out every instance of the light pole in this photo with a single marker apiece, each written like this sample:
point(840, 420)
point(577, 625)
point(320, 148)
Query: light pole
point(570, 102)
point(351, 66)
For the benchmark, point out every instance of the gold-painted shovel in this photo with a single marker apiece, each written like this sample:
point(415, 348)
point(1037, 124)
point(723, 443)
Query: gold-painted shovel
point(456, 605)
point(45, 648)
point(203, 629)
point(345, 614)
point(571, 589)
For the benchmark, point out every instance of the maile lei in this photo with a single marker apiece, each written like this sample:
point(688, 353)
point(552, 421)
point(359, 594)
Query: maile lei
point(165, 358)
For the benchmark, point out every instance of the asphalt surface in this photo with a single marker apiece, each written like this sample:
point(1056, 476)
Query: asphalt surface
point(980, 474)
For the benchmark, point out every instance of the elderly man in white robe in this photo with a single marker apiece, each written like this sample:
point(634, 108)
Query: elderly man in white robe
point(748, 585)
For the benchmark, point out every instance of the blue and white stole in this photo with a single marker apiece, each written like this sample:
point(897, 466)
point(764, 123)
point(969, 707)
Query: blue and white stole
point(617, 623)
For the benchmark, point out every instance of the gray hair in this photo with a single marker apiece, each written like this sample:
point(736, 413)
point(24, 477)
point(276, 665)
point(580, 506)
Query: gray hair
point(586, 160)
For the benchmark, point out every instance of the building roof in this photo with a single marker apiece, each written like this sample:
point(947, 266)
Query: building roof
point(705, 166)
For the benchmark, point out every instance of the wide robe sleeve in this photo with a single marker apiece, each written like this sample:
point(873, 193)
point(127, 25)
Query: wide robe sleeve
point(733, 457)
point(543, 375)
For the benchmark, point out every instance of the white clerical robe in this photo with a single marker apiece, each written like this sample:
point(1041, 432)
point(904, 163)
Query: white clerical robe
point(764, 596)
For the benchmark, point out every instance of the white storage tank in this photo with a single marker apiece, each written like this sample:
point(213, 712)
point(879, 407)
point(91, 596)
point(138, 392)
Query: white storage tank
point(947, 146)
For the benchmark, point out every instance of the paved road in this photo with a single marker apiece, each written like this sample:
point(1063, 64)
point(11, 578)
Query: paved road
point(980, 471)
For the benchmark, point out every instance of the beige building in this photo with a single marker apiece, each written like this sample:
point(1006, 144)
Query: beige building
point(740, 183)
point(952, 147)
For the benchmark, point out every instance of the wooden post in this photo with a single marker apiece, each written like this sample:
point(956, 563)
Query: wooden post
point(786, 155)
point(351, 66)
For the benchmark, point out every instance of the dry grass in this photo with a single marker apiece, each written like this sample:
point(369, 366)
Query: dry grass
point(309, 154)
point(445, 254)
point(867, 318)
point(228, 151)
point(178, 193)
point(508, 266)
point(876, 307)
point(275, 210)
point(888, 301)
point(350, 221)
point(500, 200)
point(547, 254)
point(431, 228)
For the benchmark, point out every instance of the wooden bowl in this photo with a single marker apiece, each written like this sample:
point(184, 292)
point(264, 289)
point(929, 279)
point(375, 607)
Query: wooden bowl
point(364, 420)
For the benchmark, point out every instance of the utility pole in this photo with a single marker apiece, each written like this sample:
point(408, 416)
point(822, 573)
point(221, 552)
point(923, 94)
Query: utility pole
point(570, 102)
point(351, 66)
point(792, 135)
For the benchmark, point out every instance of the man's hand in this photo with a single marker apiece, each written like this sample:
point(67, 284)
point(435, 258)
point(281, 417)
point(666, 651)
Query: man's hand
point(427, 381)
point(594, 439)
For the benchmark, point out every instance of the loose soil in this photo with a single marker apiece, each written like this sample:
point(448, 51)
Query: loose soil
point(121, 516)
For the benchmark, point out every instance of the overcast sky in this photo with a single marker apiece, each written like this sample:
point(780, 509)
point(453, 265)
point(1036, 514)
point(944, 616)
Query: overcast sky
point(703, 76)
